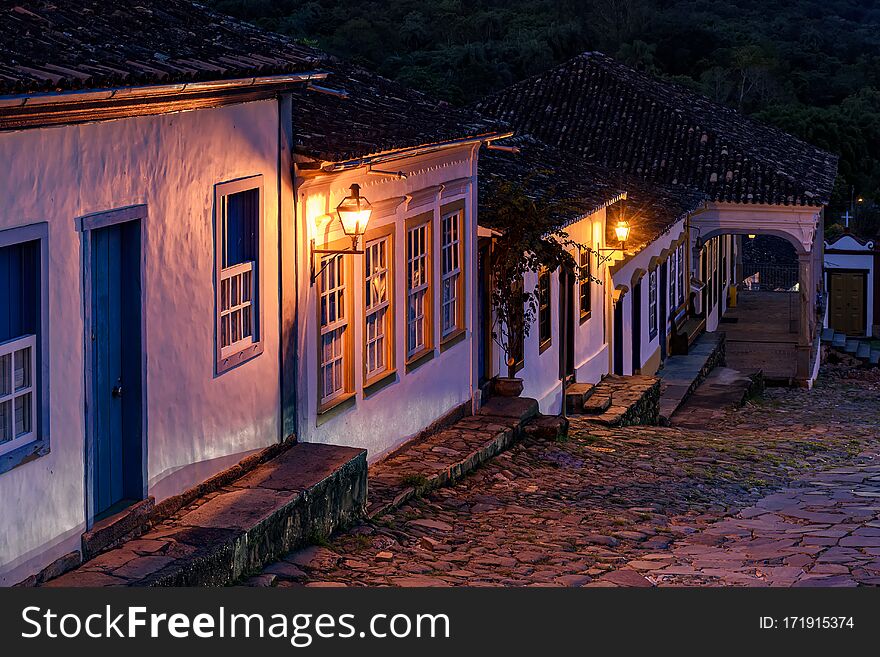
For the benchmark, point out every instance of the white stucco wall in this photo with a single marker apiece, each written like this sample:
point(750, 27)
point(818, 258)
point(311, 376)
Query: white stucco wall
point(540, 372)
point(388, 417)
point(197, 423)
point(623, 275)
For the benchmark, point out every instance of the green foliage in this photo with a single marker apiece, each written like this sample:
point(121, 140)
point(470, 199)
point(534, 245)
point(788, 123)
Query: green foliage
point(531, 241)
point(811, 67)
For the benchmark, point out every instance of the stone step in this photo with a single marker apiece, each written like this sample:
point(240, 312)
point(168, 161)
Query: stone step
point(874, 357)
point(597, 404)
point(309, 490)
point(839, 340)
point(576, 395)
point(827, 334)
point(111, 531)
point(864, 350)
point(852, 346)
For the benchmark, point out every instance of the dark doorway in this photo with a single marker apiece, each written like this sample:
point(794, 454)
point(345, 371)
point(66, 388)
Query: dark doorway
point(637, 328)
point(618, 336)
point(116, 377)
point(664, 296)
point(566, 322)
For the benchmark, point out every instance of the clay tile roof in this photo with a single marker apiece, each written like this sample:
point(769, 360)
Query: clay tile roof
point(584, 187)
point(378, 116)
point(56, 45)
point(593, 106)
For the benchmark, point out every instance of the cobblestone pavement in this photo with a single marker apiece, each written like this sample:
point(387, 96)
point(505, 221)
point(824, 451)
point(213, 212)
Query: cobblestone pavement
point(783, 491)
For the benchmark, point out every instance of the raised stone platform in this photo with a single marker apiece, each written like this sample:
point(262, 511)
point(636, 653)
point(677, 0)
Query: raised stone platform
point(445, 456)
point(723, 390)
point(682, 374)
point(307, 492)
point(621, 401)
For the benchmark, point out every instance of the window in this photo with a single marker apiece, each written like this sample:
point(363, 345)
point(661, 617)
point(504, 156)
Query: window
point(586, 284)
point(652, 304)
point(19, 335)
point(418, 277)
point(378, 313)
point(671, 281)
point(335, 380)
point(238, 226)
point(680, 268)
point(544, 308)
point(451, 276)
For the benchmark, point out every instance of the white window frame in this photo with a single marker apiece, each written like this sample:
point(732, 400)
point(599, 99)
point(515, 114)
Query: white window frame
point(246, 347)
point(671, 282)
point(338, 327)
point(418, 298)
point(450, 256)
point(9, 351)
point(381, 342)
point(235, 277)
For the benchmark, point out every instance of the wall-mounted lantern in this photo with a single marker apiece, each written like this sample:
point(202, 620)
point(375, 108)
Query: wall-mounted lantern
point(621, 230)
point(751, 236)
point(354, 214)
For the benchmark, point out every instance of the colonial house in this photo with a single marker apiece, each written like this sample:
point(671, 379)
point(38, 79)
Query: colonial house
point(724, 176)
point(139, 232)
point(385, 324)
point(207, 250)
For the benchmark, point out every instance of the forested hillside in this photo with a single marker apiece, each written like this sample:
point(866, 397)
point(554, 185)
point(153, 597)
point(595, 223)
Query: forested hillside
point(810, 67)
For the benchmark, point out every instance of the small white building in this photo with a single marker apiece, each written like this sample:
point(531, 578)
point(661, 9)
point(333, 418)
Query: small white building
point(852, 279)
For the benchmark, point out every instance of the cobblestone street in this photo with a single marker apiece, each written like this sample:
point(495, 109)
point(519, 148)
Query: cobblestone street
point(784, 491)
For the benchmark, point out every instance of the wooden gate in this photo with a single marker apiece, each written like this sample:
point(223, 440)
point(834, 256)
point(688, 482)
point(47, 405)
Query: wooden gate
point(847, 300)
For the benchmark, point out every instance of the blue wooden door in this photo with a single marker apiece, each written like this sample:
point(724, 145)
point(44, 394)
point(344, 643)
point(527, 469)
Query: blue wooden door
point(117, 448)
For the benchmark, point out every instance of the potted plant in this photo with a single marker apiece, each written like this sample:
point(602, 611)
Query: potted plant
point(529, 239)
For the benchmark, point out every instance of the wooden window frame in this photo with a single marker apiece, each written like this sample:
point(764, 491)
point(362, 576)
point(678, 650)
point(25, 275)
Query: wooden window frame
point(447, 212)
point(235, 354)
point(672, 282)
point(653, 299)
point(39, 442)
point(372, 237)
point(425, 220)
point(347, 391)
point(545, 342)
point(585, 284)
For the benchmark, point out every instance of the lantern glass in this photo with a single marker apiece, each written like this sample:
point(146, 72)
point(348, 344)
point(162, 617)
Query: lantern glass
point(354, 212)
point(622, 230)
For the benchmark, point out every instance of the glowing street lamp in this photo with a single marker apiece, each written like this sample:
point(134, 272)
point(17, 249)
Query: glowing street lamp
point(354, 214)
point(621, 230)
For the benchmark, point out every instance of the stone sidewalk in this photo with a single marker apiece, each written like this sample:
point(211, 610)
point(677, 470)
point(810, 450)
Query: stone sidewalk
point(613, 506)
point(823, 531)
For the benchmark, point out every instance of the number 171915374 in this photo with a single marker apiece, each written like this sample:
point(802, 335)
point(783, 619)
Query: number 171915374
point(818, 622)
